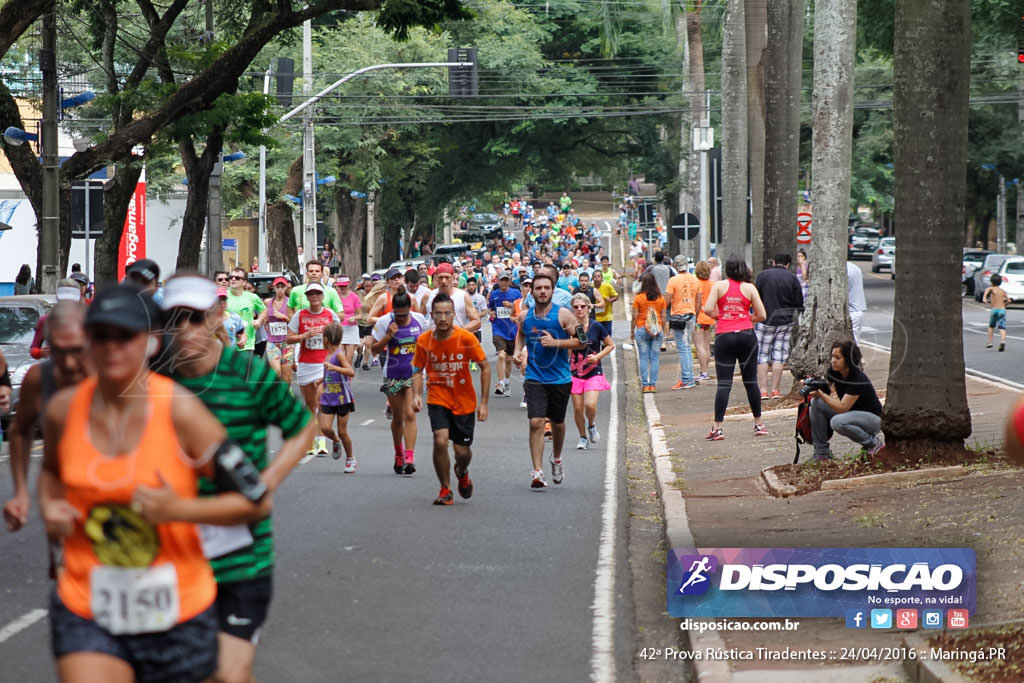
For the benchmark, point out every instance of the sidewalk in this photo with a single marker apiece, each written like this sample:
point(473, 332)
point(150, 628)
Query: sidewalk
point(714, 497)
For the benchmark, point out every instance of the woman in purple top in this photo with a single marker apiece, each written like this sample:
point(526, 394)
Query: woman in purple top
point(396, 333)
point(336, 400)
point(280, 354)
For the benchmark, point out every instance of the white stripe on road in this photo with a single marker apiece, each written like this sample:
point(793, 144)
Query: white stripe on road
point(21, 623)
point(977, 374)
point(309, 456)
point(602, 660)
point(365, 423)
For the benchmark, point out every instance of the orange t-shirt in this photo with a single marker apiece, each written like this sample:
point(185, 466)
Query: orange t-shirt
point(682, 288)
point(705, 290)
point(110, 533)
point(640, 307)
point(449, 381)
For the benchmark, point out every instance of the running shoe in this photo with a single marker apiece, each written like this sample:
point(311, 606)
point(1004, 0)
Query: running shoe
point(445, 498)
point(375, 363)
point(760, 429)
point(399, 463)
point(703, 377)
point(465, 483)
point(776, 394)
point(594, 435)
point(388, 413)
point(873, 451)
point(547, 429)
point(988, 346)
point(336, 450)
point(678, 385)
point(522, 404)
point(500, 389)
point(715, 435)
point(537, 480)
point(557, 474)
point(582, 444)
point(1002, 346)
point(350, 466)
point(312, 447)
point(365, 366)
point(410, 466)
point(321, 446)
point(764, 396)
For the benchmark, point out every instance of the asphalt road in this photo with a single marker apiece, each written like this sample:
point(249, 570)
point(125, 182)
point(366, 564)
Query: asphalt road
point(1007, 366)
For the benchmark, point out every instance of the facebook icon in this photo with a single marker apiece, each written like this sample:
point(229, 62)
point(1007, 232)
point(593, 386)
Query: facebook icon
point(855, 618)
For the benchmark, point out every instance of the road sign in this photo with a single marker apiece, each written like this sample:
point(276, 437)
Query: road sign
point(686, 226)
point(803, 228)
point(229, 244)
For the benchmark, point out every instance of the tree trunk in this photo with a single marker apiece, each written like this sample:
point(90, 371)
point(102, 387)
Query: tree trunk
point(198, 168)
point(826, 318)
point(783, 76)
point(685, 200)
point(926, 405)
point(351, 232)
point(117, 195)
point(756, 15)
point(695, 63)
point(282, 250)
point(734, 133)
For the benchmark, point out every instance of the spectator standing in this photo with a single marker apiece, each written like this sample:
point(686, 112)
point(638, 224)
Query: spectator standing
point(855, 298)
point(23, 283)
point(703, 331)
point(780, 291)
point(648, 324)
point(682, 293)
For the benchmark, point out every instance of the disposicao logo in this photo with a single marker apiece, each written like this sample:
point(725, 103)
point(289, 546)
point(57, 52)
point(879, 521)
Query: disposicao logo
point(826, 582)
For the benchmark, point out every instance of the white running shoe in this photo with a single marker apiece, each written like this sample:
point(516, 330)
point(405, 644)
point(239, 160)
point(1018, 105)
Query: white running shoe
point(557, 474)
point(321, 446)
point(523, 403)
point(595, 435)
point(582, 444)
point(336, 450)
point(537, 480)
point(350, 466)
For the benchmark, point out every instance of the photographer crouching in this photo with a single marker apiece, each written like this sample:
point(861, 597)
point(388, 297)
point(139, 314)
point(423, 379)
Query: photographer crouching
point(856, 412)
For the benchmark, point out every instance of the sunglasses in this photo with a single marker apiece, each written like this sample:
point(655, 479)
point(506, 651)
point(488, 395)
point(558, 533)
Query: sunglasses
point(177, 317)
point(237, 277)
point(223, 278)
point(112, 334)
point(56, 351)
point(580, 306)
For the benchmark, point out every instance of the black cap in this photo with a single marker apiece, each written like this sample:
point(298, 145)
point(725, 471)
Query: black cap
point(123, 305)
point(80, 278)
point(394, 272)
point(144, 268)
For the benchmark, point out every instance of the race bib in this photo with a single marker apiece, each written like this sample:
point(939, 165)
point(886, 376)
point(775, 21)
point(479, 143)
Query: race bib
point(278, 329)
point(315, 343)
point(133, 600)
point(221, 540)
point(502, 312)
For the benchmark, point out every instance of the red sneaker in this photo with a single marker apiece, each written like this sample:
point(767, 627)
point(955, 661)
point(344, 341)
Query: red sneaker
point(445, 498)
point(465, 483)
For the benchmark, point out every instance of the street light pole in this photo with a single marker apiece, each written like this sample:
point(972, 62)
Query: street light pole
point(262, 236)
point(49, 226)
point(309, 242)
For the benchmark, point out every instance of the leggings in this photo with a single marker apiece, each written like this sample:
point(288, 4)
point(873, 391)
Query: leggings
point(730, 348)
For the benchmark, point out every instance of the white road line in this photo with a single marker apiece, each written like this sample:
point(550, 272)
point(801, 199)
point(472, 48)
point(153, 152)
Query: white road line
point(364, 423)
point(602, 660)
point(21, 623)
point(306, 459)
point(976, 374)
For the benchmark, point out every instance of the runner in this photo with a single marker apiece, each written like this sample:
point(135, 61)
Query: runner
point(444, 352)
point(395, 335)
point(466, 315)
point(609, 295)
point(67, 365)
point(350, 305)
point(246, 398)
point(525, 288)
point(246, 306)
point(588, 378)
point(306, 328)
point(106, 442)
point(416, 285)
point(336, 401)
point(280, 354)
point(503, 329)
point(542, 349)
point(314, 273)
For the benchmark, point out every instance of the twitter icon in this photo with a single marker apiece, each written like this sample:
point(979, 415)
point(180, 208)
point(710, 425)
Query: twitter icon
point(881, 618)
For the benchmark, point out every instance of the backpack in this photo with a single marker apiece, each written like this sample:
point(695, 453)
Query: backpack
point(651, 323)
point(803, 425)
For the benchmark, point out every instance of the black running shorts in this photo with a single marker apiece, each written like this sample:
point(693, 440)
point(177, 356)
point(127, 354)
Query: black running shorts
point(187, 652)
point(242, 607)
point(549, 401)
point(460, 427)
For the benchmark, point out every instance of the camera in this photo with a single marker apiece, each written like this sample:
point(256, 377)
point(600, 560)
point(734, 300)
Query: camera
point(812, 384)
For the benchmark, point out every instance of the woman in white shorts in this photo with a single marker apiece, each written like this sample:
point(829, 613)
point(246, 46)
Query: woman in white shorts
point(306, 330)
point(350, 303)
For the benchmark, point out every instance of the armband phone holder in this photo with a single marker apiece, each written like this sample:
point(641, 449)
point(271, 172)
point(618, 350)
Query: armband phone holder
point(234, 472)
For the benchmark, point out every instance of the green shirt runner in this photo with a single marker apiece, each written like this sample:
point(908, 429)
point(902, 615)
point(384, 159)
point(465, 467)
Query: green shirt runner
point(297, 299)
point(246, 396)
point(246, 306)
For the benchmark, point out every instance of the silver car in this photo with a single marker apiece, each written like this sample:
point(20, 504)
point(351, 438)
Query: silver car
point(882, 256)
point(18, 318)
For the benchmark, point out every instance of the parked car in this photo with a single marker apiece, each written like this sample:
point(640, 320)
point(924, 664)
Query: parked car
point(490, 223)
point(863, 241)
point(18, 318)
point(407, 263)
point(883, 255)
point(973, 258)
point(450, 251)
point(474, 238)
point(983, 275)
point(1012, 272)
point(264, 282)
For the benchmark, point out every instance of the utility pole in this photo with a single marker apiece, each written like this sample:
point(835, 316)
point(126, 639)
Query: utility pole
point(371, 227)
point(309, 245)
point(214, 257)
point(49, 228)
point(1001, 217)
point(262, 212)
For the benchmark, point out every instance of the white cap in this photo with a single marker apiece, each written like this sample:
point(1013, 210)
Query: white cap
point(69, 294)
point(189, 291)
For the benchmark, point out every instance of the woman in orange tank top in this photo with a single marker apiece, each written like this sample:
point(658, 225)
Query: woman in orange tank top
point(112, 445)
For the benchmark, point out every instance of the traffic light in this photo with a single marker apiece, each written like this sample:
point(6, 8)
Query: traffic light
point(1020, 40)
point(463, 81)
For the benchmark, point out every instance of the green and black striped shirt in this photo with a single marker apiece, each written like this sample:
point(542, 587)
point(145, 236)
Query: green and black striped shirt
point(247, 396)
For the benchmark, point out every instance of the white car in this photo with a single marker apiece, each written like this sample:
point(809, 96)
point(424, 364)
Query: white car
point(882, 256)
point(1012, 272)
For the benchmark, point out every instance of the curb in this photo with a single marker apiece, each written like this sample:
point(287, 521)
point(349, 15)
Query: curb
point(927, 670)
point(930, 474)
point(776, 487)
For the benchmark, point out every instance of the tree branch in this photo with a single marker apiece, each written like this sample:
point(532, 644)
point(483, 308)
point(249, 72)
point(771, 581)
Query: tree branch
point(15, 18)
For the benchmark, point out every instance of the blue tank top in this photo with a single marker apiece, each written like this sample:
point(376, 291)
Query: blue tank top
point(548, 365)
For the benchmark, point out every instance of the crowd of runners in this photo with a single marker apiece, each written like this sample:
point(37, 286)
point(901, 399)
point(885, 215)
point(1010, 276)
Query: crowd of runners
point(155, 399)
